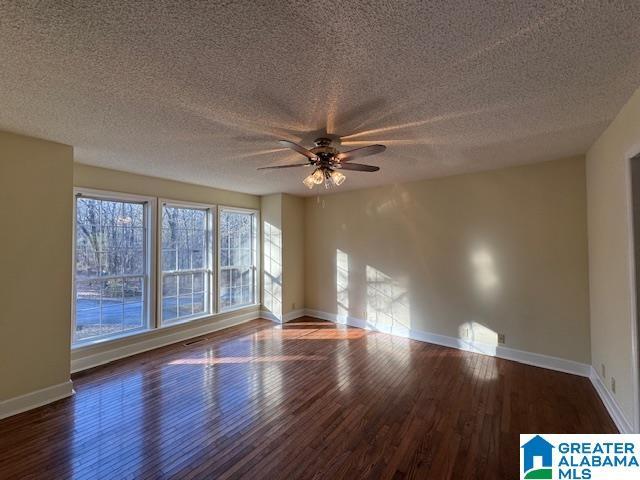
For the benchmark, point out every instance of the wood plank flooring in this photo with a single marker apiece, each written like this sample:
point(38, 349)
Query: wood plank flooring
point(305, 400)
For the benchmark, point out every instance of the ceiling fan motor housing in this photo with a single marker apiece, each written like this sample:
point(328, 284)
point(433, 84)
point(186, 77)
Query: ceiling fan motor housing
point(324, 151)
point(322, 142)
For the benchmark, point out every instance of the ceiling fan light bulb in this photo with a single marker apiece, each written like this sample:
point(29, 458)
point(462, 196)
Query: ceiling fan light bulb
point(317, 176)
point(337, 177)
point(309, 182)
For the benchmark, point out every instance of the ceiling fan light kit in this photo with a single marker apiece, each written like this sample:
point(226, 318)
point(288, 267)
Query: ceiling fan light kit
point(327, 176)
point(327, 160)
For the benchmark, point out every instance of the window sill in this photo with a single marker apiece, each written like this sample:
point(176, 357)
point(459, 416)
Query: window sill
point(184, 321)
point(146, 333)
point(235, 309)
point(89, 356)
point(113, 338)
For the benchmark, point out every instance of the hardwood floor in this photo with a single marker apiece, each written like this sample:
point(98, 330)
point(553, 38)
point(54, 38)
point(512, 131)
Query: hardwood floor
point(303, 400)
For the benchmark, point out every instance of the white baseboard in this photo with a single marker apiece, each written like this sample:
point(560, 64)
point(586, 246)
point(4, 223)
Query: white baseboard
point(610, 403)
point(35, 399)
point(268, 315)
point(521, 356)
point(287, 317)
point(90, 360)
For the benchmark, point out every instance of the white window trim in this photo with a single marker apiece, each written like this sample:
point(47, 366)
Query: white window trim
point(256, 258)
point(212, 261)
point(152, 295)
point(150, 216)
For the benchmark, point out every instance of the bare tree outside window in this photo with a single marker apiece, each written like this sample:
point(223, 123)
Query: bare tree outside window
point(116, 271)
point(186, 272)
point(110, 267)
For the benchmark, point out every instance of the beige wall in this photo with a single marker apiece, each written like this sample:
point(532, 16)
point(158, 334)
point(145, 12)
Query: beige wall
point(466, 256)
point(610, 259)
point(35, 286)
point(293, 252)
point(116, 181)
point(271, 217)
point(282, 253)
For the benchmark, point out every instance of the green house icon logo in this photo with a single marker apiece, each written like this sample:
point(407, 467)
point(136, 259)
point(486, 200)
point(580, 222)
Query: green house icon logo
point(540, 448)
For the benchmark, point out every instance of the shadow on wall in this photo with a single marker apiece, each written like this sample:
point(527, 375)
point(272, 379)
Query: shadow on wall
point(272, 264)
point(342, 285)
point(387, 305)
point(387, 301)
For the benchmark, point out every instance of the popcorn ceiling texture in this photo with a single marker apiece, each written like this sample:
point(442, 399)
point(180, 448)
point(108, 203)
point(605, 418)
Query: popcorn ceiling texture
point(201, 91)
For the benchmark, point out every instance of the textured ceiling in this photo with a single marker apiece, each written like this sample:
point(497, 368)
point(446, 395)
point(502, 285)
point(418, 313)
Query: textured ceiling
point(201, 91)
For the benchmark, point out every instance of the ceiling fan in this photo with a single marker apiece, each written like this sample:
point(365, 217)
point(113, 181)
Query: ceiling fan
point(327, 161)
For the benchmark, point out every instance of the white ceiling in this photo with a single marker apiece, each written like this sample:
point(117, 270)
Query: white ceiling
point(200, 92)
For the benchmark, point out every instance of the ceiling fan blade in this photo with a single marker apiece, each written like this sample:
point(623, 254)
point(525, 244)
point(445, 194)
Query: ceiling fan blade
point(297, 148)
point(357, 167)
point(284, 166)
point(360, 152)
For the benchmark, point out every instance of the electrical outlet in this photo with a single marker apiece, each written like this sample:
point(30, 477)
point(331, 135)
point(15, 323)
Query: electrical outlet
point(466, 332)
point(501, 338)
point(604, 370)
point(293, 306)
point(613, 385)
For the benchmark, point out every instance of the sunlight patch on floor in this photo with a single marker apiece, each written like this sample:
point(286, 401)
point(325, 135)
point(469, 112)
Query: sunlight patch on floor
point(250, 359)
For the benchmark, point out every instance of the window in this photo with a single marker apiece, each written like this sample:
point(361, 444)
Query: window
point(111, 267)
point(237, 258)
point(186, 262)
point(122, 287)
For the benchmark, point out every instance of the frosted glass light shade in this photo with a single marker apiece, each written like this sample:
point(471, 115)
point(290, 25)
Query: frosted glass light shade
point(318, 176)
point(337, 177)
point(309, 182)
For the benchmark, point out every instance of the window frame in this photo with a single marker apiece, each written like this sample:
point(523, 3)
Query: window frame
point(212, 261)
point(152, 276)
point(149, 274)
point(255, 257)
